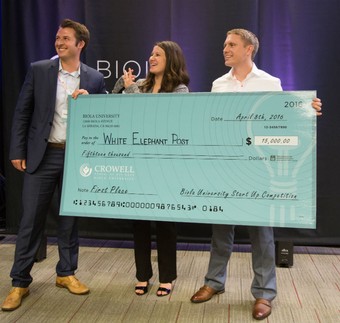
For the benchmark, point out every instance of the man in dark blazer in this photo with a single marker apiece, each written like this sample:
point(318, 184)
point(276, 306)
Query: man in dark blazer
point(37, 148)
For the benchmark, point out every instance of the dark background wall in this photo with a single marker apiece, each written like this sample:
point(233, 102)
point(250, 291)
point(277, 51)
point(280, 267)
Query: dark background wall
point(298, 43)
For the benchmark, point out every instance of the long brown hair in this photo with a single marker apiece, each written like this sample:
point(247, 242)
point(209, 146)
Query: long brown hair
point(175, 69)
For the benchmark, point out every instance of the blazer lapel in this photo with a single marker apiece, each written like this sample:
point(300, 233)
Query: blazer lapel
point(53, 80)
point(84, 79)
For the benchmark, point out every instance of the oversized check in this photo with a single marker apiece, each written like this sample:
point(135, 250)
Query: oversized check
point(228, 158)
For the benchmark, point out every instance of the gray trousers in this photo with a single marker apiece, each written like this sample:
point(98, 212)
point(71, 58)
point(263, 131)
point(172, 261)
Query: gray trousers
point(263, 259)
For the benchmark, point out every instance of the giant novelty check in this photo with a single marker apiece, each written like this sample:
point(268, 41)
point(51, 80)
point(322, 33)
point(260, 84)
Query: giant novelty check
point(228, 158)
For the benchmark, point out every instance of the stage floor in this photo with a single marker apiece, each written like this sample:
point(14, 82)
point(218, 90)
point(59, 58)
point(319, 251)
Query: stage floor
point(308, 292)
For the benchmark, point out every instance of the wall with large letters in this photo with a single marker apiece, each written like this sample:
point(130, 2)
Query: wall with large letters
point(298, 43)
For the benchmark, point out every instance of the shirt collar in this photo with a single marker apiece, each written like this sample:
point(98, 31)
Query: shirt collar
point(74, 74)
point(254, 71)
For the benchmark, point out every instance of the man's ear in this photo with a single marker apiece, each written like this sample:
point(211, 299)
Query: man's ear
point(81, 44)
point(250, 49)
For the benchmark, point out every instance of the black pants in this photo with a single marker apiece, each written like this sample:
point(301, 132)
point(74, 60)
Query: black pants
point(166, 250)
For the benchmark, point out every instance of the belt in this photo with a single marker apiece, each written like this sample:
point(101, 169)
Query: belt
point(58, 145)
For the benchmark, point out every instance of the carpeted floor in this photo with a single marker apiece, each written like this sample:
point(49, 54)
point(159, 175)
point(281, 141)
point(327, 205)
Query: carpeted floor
point(309, 291)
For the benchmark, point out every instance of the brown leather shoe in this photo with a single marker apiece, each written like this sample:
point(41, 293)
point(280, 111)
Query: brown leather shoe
point(72, 284)
point(262, 309)
point(14, 298)
point(204, 294)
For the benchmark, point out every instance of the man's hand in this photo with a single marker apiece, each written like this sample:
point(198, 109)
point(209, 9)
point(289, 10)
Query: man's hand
point(78, 92)
point(317, 104)
point(19, 164)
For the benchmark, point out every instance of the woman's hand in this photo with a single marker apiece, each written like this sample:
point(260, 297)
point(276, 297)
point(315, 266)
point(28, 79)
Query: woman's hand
point(128, 77)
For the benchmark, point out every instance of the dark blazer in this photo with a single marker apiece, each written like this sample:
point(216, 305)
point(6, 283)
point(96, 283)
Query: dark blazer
point(33, 116)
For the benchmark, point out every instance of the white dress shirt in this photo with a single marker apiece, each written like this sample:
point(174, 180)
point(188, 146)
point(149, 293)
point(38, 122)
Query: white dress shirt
point(67, 84)
point(256, 81)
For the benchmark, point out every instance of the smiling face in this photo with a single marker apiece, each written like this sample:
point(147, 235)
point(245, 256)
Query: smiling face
point(236, 53)
point(157, 61)
point(66, 44)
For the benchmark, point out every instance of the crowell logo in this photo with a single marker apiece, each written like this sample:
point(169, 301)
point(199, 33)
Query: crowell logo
point(111, 169)
point(107, 171)
point(85, 170)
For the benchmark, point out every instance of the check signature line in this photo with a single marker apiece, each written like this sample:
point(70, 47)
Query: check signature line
point(176, 156)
